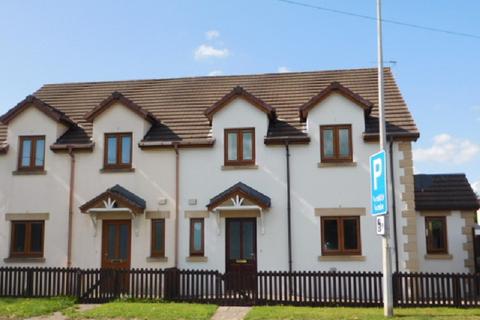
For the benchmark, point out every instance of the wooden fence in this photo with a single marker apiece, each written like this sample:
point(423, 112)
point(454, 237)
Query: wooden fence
point(261, 288)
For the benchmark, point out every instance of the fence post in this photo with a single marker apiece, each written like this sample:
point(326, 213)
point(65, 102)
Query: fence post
point(457, 299)
point(78, 282)
point(115, 283)
point(172, 279)
point(29, 283)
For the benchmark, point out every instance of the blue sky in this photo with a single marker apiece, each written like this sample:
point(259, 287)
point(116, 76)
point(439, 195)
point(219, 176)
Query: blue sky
point(439, 75)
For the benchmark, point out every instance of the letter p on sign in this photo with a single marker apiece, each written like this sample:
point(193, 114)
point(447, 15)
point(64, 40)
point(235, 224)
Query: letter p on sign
point(378, 183)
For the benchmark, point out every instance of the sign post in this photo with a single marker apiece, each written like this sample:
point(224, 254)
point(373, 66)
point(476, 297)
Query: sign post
point(379, 179)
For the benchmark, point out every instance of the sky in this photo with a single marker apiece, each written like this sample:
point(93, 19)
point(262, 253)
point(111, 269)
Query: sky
point(439, 74)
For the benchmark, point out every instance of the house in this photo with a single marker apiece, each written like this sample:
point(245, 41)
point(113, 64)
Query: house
point(229, 173)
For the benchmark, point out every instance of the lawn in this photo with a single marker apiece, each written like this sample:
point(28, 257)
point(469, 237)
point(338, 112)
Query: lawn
point(147, 311)
point(30, 307)
point(304, 313)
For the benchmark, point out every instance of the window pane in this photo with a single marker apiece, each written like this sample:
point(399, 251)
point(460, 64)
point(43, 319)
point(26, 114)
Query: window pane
point(19, 234)
point(123, 254)
point(350, 234)
point(39, 152)
point(234, 240)
point(112, 237)
point(248, 251)
point(36, 240)
point(26, 149)
point(247, 146)
point(437, 234)
point(112, 150)
point(330, 228)
point(344, 140)
point(232, 146)
point(126, 149)
point(328, 143)
point(159, 236)
point(197, 236)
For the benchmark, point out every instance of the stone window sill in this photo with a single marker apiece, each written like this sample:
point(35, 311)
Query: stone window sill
point(336, 164)
point(24, 260)
point(240, 167)
point(157, 259)
point(197, 259)
point(441, 256)
point(116, 170)
point(29, 172)
point(342, 258)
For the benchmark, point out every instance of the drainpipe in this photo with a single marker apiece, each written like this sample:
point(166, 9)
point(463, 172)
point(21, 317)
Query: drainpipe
point(394, 206)
point(70, 205)
point(289, 208)
point(177, 197)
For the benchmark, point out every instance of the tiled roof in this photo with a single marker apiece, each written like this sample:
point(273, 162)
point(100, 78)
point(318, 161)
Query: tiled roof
point(180, 104)
point(444, 192)
point(117, 192)
point(244, 190)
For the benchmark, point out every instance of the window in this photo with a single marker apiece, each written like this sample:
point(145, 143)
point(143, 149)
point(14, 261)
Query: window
point(158, 238)
point(436, 233)
point(118, 150)
point(340, 235)
point(197, 237)
point(31, 155)
point(27, 239)
point(239, 146)
point(336, 143)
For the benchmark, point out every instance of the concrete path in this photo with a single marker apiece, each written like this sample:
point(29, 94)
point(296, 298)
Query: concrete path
point(231, 313)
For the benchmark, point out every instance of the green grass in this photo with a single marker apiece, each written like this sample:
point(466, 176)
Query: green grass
point(147, 310)
point(304, 313)
point(26, 307)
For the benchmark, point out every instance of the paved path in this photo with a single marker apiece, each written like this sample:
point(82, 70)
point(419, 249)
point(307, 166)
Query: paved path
point(231, 313)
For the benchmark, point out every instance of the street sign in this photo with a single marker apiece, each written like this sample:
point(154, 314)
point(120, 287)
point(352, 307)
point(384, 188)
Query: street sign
point(380, 225)
point(378, 183)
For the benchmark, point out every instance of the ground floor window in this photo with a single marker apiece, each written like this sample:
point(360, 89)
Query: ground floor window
point(27, 239)
point(436, 234)
point(197, 234)
point(340, 235)
point(158, 238)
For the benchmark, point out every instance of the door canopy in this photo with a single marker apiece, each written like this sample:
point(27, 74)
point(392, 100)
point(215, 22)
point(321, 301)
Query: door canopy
point(239, 197)
point(115, 199)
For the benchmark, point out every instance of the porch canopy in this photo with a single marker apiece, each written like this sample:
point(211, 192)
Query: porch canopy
point(115, 199)
point(240, 200)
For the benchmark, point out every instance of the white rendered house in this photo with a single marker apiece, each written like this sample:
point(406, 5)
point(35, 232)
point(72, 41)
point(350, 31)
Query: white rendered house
point(243, 173)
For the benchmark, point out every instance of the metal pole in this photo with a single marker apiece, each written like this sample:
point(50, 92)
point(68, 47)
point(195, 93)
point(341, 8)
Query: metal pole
point(387, 263)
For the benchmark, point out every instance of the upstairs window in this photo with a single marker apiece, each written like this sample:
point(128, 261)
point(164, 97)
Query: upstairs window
point(31, 153)
point(197, 234)
point(336, 143)
point(27, 239)
point(118, 151)
point(340, 236)
point(240, 146)
point(436, 233)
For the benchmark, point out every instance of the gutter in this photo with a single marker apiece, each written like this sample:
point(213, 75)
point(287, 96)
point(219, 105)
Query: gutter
point(177, 197)
point(394, 206)
point(70, 206)
point(289, 207)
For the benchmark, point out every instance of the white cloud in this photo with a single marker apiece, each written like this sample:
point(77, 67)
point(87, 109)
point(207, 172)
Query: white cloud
point(282, 69)
point(212, 34)
point(215, 73)
point(476, 187)
point(205, 51)
point(448, 149)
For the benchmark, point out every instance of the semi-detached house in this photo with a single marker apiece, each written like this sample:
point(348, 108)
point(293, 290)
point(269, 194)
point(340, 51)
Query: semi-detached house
point(253, 172)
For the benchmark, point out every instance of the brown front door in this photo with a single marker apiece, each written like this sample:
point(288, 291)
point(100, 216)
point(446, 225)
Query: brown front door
point(241, 252)
point(116, 244)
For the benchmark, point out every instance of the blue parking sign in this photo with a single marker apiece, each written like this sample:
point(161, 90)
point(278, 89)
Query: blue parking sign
point(378, 183)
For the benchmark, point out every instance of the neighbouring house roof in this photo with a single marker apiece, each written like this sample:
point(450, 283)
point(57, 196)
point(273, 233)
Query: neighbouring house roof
point(444, 192)
point(122, 196)
point(181, 104)
point(242, 190)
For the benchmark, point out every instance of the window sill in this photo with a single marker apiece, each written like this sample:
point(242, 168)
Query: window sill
point(29, 172)
point(438, 256)
point(24, 260)
point(239, 167)
point(342, 258)
point(116, 170)
point(157, 259)
point(197, 259)
point(336, 164)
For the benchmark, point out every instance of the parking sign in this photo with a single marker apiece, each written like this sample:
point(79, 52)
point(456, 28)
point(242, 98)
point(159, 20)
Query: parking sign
point(378, 183)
